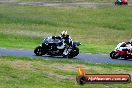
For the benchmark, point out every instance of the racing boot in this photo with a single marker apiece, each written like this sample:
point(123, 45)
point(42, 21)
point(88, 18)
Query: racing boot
point(65, 53)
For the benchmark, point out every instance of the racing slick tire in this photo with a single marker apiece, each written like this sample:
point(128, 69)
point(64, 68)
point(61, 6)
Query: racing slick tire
point(114, 55)
point(38, 51)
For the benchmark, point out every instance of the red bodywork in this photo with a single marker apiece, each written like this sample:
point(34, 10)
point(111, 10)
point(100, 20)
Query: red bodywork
point(124, 52)
point(124, 1)
point(120, 52)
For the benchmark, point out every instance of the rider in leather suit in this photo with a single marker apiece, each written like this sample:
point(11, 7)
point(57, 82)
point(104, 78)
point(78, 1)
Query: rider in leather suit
point(127, 46)
point(66, 40)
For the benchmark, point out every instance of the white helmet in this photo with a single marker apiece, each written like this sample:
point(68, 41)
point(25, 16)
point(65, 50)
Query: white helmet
point(131, 40)
point(63, 33)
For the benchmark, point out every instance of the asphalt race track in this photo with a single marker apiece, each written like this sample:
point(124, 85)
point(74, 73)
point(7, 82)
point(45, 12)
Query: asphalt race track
point(87, 57)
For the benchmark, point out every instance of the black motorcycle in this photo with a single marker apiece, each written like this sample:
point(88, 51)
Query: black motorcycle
point(49, 47)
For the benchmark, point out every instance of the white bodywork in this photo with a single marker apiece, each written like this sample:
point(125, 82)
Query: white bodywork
point(118, 47)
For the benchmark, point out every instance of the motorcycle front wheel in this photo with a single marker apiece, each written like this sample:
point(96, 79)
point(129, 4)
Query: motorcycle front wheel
point(114, 55)
point(74, 52)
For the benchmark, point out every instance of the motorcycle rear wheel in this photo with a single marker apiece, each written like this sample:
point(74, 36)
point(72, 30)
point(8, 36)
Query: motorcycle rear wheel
point(38, 51)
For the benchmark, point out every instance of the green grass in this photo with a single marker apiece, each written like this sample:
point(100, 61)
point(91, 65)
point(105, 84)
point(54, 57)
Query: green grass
point(37, 73)
point(63, 0)
point(82, 1)
point(98, 29)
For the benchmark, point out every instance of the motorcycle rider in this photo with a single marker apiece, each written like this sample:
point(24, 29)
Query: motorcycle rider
point(127, 46)
point(122, 1)
point(129, 43)
point(119, 1)
point(66, 40)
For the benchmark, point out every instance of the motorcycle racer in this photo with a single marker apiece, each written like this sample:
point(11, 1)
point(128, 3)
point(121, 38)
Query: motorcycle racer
point(66, 40)
point(127, 46)
point(122, 50)
point(61, 45)
point(121, 2)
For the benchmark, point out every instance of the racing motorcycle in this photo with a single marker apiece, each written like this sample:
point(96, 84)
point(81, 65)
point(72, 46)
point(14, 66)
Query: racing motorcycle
point(121, 3)
point(121, 53)
point(49, 47)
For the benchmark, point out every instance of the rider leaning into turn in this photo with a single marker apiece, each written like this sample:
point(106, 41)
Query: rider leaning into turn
point(66, 39)
point(127, 46)
point(122, 1)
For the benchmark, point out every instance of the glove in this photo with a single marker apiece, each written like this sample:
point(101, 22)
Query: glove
point(53, 37)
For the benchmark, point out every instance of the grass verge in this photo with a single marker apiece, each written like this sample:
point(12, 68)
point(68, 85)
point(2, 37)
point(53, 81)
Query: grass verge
point(20, 72)
point(62, 0)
